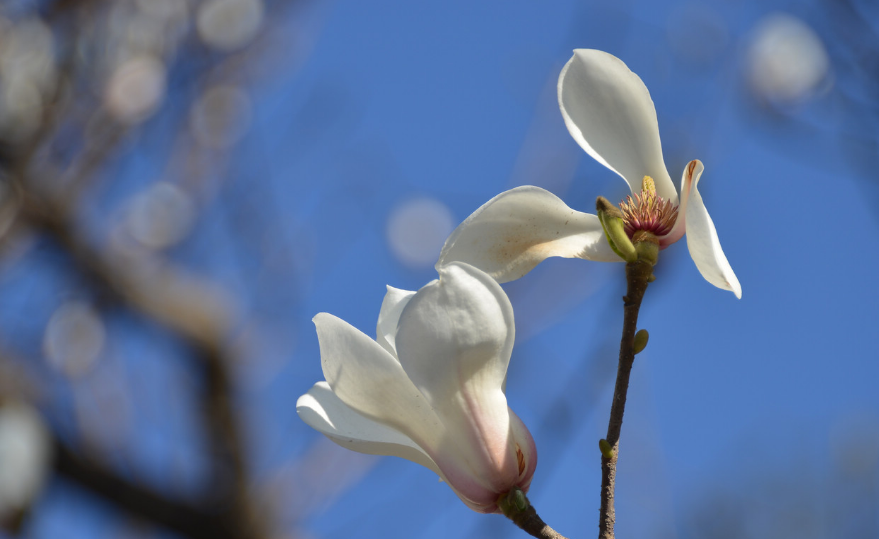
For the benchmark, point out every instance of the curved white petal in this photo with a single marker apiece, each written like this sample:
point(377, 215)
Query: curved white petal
point(386, 328)
point(455, 341)
point(518, 229)
point(702, 240)
point(323, 411)
point(370, 380)
point(691, 175)
point(457, 335)
point(610, 114)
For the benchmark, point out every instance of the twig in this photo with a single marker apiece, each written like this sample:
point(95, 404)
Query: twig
point(516, 507)
point(637, 275)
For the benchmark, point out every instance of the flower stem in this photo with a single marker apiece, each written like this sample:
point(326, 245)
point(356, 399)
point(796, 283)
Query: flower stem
point(516, 507)
point(637, 275)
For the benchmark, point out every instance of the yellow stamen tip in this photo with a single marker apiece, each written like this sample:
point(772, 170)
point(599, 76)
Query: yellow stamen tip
point(648, 185)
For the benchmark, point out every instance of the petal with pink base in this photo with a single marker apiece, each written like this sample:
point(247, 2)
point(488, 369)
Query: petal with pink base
point(466, 319)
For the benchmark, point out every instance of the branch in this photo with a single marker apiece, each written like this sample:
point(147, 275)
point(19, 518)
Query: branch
point(187, 307)
point(185, 519)
point(516, 507)
point(637, 276)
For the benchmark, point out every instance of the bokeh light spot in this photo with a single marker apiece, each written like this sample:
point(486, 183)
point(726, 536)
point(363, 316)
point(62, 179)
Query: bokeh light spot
point(229, 24)
point(417, 229)
point(24, 456)
point(160, 216)
point(221, 117)
point(136, 88)
point(74, 338)
point(787, 60)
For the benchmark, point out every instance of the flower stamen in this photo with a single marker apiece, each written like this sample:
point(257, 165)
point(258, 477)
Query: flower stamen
point(648, 211)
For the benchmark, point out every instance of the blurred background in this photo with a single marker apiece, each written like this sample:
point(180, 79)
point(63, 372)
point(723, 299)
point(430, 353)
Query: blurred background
point(185, 183)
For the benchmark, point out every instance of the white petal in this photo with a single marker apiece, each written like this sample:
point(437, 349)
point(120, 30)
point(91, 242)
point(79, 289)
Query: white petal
point(609, 113)
point(455, 341)
point(371, 381)
point(455, 333)
point(518, 229)
point(386, 328)
point(703, 243)
point(323, 411)
point(689, 178)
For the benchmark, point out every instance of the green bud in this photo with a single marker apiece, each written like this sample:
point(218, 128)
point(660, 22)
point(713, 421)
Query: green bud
point(611, 219)
point(651, 278)
point(641, 340)
point(606, 448)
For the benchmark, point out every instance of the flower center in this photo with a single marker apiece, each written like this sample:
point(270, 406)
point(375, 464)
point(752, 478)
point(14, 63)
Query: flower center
point(648, 211)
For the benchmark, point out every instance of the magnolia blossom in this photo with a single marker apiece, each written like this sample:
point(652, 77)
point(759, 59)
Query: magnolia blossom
point(610, 114)
point(430, 388)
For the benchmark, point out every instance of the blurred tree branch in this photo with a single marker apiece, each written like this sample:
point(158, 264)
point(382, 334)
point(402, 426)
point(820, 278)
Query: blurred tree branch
point(44, 199)
point(140, 502)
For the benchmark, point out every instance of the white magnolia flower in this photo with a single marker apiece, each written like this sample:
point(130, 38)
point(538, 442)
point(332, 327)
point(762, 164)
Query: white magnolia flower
point(609, 113)
point(430, 388)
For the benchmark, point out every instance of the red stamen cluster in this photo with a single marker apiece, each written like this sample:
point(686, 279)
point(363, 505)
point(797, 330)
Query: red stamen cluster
point(648, 212)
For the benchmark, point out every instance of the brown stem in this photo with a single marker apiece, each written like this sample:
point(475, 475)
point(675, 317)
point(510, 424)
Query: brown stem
point(534, 526)
point(516, 507)
point(637, 275)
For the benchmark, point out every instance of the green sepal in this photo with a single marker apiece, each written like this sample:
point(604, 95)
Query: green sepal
point(513, 502)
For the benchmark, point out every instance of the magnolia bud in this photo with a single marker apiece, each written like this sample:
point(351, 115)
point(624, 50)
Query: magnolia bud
point(606, 448)
point(641, 340)
point(611, 219)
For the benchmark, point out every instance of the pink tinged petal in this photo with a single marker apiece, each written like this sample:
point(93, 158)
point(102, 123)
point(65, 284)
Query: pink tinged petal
point(386, 328)
point(370, 380)
point(323, 411)
point(454, 341)
point(691, 175)
point(703, 243)
point(518, 229)
point(610, 114)
point(529, 450)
